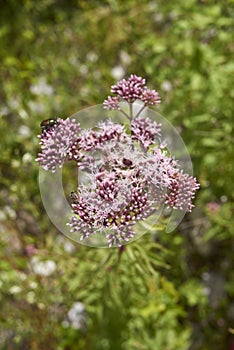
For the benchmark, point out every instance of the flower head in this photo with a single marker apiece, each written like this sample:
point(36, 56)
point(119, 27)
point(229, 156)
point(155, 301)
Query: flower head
point(127, 170)
point(150, 97)
point(145, 131)
point(106, 131)
point(57, 142)
point(129, 90)
point(113, 205)
point(111, 103)
point(77, 315)
point(181, 191)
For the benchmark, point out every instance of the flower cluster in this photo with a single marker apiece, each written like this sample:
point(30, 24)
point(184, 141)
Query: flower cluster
point(145, 131)
point(57, 143)
point(112, 103)
point(129, 171)
point(90, 139)
point(182, 190)
point(130, 90)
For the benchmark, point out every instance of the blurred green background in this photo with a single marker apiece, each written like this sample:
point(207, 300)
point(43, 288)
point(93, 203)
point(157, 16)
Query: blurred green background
point(165, 291)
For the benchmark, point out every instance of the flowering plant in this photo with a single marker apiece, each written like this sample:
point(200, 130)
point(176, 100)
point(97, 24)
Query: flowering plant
point(129, 171)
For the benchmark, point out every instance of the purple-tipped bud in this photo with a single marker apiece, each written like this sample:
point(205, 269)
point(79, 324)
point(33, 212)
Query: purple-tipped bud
point(150, 97)
point(111, 103)
point(129, 90)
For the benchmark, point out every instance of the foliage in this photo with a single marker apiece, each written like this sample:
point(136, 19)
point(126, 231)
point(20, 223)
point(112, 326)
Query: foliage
point(165, 291)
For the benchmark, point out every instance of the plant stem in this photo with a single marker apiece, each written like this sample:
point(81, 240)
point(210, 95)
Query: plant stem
point(139, 112)
point(124, 113)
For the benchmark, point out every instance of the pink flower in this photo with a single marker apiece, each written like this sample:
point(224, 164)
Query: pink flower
point(150, 97)
point(181, 191)
point(129, 90)
point(130, 173)
point(111, 103)
point(57, 143)
point(145, 131)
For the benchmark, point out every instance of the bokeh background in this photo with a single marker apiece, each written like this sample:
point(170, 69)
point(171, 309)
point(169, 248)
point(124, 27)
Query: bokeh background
point(165, 291)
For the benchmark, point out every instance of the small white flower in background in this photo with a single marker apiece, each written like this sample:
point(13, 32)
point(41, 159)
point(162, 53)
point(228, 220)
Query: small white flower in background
point(27, 158)
point(43, 268)
point(15, 163)
point(15, 290)
point(92, 56)
point(33, 285)
point(158, 17)
point(22, 276)
point(125, 57)
point(24, 131)
point(166, 85)
point(69, 247)
point(77, 315)
point(23, 114)
point(42, 88)
point(117, 72)
point(83, 69)
point(30, 297)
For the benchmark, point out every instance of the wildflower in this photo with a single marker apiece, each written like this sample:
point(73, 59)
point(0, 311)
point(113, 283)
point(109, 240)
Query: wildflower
point(15, 290)
point(145, 131)
point(127, 186)
point(113, 205)
point(117, 72)
point(129, 90)
point(77, 315)
point(111, 103)
point(57, 142)
point(126, 169)
point(43, 268)
point(181, 191)
point(107, 130)
point(150, 97)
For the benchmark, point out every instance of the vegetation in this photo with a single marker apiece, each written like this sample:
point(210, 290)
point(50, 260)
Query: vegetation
point(167, 290)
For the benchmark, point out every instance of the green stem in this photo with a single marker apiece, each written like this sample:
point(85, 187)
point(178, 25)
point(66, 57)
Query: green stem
point(124, 113)
point(139, 112)
point(130, 107)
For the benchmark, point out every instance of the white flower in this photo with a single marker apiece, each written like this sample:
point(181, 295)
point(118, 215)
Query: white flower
point(166, 85)
point(76, 315)
point(33, 285)
point(42, 88)
point(15, 290)
point(117, 72)
point(68, 247)
point(30, 297)
point(24, 131)
point(27, 158)
point(125, 57)
point(92, 56)
point(43, 268)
